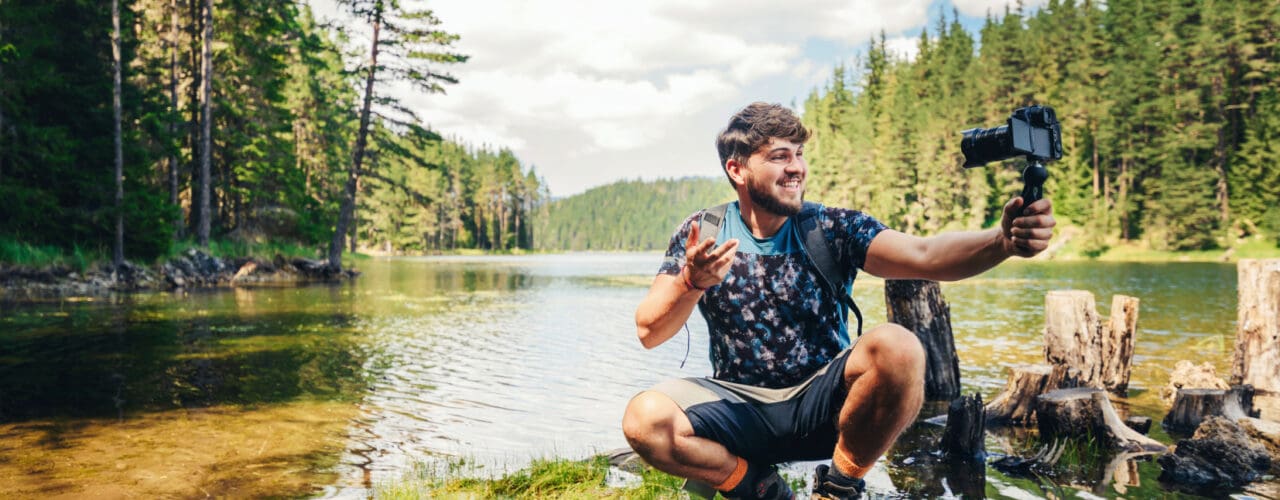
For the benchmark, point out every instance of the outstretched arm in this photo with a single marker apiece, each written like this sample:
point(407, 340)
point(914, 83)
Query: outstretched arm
point(671, 297)
point(958, 255)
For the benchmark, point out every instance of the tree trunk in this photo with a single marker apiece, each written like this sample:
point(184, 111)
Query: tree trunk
point(1192, 406)
point(1117, 344)
point(1256, 360)
point(193, 125)
point(962, 439)
point(348, 209)
point(918, 306)
point(1017, 404)
point(1086, 411)
point(173, 106)
point(1071, 337)
point(206, 125)
point(117, 252)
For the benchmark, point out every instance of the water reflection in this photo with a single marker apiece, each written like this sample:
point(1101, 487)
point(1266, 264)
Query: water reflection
point(497, 359)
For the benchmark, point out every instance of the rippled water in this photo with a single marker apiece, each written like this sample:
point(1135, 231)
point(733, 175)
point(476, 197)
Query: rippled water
point(334, 389)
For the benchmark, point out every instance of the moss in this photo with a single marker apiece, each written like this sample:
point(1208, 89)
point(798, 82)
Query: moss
point(543, 478)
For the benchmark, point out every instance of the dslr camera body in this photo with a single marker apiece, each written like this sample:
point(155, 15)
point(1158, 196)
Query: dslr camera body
point(1033, 132)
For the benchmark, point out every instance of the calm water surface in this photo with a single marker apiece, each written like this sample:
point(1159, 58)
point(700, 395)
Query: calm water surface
point(331, 390)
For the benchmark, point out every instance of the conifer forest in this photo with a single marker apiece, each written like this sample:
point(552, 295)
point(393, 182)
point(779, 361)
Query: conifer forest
point(138, 124)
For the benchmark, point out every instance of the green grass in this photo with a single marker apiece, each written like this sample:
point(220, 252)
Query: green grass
point(21, 254)
point(1078, 248)
point(225, 249)
point(544, 478)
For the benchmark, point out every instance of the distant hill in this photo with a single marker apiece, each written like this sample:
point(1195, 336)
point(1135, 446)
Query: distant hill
point(626, 215)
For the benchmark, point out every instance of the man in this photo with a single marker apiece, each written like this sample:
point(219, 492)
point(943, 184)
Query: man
point(787, 384)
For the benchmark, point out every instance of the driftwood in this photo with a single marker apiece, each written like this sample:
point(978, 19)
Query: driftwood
point(1017, 404)
point(918, 306)
point(1256, 360)
point(962, 439)
point(1193, 406)
point(1076, 338)
point(1086, 411)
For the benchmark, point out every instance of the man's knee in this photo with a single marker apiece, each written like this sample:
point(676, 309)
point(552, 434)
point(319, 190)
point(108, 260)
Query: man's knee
point(895, 352)
point(649, 422)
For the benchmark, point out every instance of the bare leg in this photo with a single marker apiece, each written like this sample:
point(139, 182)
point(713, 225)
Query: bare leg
point(659, 432)
point(885, 378)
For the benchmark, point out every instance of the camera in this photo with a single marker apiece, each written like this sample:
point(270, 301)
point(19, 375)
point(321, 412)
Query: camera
point(1033, 132)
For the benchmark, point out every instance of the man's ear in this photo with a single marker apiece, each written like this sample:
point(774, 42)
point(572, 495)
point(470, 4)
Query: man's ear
point(734, 169)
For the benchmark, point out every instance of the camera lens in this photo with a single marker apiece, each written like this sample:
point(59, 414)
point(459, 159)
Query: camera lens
point(984, 145)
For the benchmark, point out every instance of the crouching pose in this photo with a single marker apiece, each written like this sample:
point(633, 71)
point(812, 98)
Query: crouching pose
point(788, 384)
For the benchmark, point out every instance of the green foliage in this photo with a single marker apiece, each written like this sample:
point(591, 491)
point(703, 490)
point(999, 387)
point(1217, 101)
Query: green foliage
point(626, 215)
point(1169, 117)
point(22, 254)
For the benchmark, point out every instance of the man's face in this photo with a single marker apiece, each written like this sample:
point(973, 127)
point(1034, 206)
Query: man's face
point(775, 176)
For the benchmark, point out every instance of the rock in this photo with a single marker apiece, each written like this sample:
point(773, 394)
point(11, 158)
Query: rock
point(1189, 375)
point(1219, 455)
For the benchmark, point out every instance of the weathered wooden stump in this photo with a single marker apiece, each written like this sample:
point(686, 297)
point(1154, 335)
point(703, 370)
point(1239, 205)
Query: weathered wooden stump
point(962, 439)
point(1075, 337)
point(1140, 424)
point(1256, 360)
point(918, 306)
point(1017, 404)
point(1193, 406)
point(1086, 411)
point(1191, 376)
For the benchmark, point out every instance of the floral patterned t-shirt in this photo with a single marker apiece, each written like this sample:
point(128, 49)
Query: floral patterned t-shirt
point(772, 322)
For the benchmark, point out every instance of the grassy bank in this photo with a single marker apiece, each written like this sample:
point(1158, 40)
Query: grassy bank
point(543, 479)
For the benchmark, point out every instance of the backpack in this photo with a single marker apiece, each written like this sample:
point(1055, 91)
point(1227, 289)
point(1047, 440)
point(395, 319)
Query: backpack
point(815, 245)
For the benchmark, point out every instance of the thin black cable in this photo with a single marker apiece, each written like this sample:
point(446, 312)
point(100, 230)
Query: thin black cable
point(688, 343)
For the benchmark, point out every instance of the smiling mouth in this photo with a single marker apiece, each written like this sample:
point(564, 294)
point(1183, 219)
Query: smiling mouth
point(793, 183)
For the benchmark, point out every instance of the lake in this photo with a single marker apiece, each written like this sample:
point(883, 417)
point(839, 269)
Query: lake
point(332, 390)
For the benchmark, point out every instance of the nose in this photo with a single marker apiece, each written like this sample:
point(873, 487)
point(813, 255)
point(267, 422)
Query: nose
point(797, 166)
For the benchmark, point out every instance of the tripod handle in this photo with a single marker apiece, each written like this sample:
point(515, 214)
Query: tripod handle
point(1033, 178)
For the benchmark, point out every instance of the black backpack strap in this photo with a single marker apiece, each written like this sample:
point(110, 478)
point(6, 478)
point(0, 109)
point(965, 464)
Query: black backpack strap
point(818, 248)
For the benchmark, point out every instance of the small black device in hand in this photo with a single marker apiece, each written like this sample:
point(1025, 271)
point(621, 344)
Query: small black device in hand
point(1033, 132)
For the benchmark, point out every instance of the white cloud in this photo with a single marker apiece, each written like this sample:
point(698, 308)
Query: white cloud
point(597, 91)
point(904, 47)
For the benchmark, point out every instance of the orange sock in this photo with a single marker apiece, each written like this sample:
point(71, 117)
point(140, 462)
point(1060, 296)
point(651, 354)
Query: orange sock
point(842, 460)
point(731, 482)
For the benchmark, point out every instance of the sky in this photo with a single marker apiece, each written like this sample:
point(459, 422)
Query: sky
point(592, 92)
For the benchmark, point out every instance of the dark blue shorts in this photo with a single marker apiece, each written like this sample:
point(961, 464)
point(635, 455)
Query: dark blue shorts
point(766, 425)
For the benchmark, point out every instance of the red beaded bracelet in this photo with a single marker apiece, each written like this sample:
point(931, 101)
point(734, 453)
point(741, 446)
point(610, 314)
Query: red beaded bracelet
point(688, 282)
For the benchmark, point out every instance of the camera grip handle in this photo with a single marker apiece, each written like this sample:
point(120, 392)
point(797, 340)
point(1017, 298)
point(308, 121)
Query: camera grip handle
point(1033, 178)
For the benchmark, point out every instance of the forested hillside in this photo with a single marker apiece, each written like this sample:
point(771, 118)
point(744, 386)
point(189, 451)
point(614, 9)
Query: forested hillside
point(1170, 114)
point(627, 215)
point(253, 103)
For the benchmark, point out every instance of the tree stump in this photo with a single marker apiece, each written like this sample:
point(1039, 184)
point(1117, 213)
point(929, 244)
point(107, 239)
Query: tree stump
point(1257, 352)
point(1075, 338)
point(1017, 404)
point(1071, 338)
point(1117, 344)
point(1193, 406)
point(1086, 411)
point(962, 439)
point(918, 306)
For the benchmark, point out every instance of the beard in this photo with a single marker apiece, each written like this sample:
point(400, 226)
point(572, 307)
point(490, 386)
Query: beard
point(762, 197)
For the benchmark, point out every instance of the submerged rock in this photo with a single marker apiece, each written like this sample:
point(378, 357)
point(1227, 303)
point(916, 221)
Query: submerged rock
point(1219, 455)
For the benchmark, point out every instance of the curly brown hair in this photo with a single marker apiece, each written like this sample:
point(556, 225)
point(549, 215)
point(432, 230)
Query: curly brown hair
point(751, 128)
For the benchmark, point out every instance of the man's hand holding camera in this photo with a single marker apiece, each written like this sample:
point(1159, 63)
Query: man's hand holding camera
point(705, 265)
point(1026, 233)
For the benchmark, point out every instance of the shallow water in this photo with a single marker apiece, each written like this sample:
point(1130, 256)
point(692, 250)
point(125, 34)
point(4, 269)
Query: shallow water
point(331, 390)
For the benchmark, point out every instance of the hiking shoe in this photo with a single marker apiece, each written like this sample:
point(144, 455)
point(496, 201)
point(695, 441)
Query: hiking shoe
point(830, 484)
point(769, 486)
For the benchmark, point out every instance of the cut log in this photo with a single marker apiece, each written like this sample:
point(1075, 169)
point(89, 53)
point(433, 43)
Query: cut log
point(1017, 404)
point(1192, 376)
point(1140, 424)
point(1071, 337)
point(1256, 360)
point(1193, 406)
point(1086, 411)
point(918, 306)
point(1117, 344)
point(962, 439)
